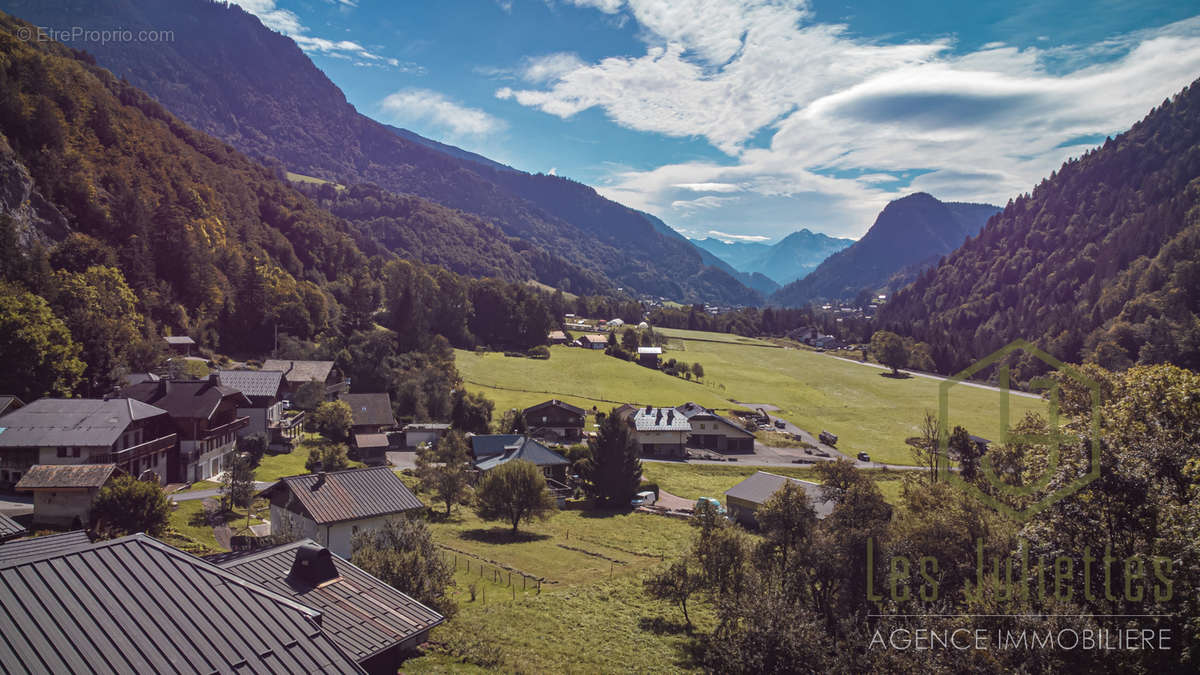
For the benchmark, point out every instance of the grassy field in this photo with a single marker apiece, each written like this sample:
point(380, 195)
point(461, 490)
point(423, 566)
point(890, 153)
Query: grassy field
point(869, 412)
point(693, 481)
point(301, 178)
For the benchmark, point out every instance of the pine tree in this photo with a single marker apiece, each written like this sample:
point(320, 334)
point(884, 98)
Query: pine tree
point(614, 472)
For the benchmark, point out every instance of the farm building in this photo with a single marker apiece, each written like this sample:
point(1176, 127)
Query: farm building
point(555, 421)
point(649, 356)
point(180, 345)
point(424, 432)
point(592, 341)
point(744, 499)
point(660, 432)
point(63, 493)
point(557, 337)
point(714, 432)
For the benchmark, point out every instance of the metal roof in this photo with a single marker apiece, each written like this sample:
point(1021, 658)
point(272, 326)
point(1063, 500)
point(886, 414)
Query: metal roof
point(494, 450)
point(40, 547)
point(694, 411)
point(55, 422)
point(370, 409)
point(175, 613)
point(761, 485)
point(361, 613)
point(46, 476)
point(10, 528)
point(660, 419)
point(593, 337)
point(650, 350)
point(371, 440)
point(9, 403)
point(179, 340)
point(554, 403)
point(299, 372)
point(352, 494)
point(253, 382)
point(427, 426)
point(187, 399)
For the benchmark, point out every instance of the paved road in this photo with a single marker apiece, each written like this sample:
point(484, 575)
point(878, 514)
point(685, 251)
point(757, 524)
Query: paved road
point(203, 494)
point(931, 376)
point(12, 504)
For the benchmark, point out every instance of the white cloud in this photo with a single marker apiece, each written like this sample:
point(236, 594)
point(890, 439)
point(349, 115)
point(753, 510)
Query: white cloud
point(846, 115)
point(423, 106)
point(729, 238)
point(287, 22)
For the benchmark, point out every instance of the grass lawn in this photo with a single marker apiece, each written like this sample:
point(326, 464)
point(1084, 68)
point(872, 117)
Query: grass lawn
point(692, 481)
point(274, 467)
point(869, 412)
point(188, 519)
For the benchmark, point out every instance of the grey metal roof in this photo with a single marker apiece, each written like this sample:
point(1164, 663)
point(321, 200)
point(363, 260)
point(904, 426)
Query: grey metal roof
point(650, 350)
point(554, 403)
point(9, 402)
point(427, 426)
point(187, 399)
point(40, 547)
point(253, 382)
point(173, 613)
point(352, 494)
point(370, 409)
point(179, 340)
point(10, 528)
point(299, 372)
point(660, 419)
point(696, 412)
point(511, 447)
point(761, 485)
point(54, 422)
point(46, 476)
point(361, 613)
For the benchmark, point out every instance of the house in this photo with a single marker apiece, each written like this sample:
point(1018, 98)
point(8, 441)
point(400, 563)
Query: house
point(299, 373)
point(180, 345)
point(555, 421)
point(592, 341)
point(63, 493)
point(127, 432)
point(205, 415)
point(742, 500)
point(38, 547)
point(10, 529)
point(660, 432)
point(373, 623)
point(372, 419)
point(265, 390)
point(424, 432)
point(137, 605)
point(331, 508)
point(557, 337)
point(649, 356)
point(492, 450)
point(714, 432)
point(9, 404)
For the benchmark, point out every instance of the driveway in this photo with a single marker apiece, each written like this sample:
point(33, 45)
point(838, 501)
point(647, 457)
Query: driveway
point(403, 460)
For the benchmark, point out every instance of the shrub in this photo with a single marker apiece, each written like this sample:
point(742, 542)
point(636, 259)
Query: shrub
point(539, 352)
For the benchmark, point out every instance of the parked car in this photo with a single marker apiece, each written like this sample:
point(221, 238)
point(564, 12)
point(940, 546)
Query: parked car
point(780, 424)
point(864, 457)
point(715, 502)
point(647, 497)
point(828, 438)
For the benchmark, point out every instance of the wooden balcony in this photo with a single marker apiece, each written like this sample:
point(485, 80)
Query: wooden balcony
point(124, 457)
point(227, 428)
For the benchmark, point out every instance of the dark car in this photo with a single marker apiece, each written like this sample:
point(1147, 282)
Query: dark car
point(828, 438)
point(780, 424)
point(864, 457)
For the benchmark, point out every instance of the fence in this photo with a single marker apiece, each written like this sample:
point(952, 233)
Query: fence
point(490, 571)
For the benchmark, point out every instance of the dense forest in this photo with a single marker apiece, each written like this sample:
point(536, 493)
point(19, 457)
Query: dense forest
point(1098, 264)
point(909, 235)
point(229, 76)
point(122, 224)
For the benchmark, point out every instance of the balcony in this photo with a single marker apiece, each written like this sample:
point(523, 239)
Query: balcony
point(227, 428)
point(128, 455)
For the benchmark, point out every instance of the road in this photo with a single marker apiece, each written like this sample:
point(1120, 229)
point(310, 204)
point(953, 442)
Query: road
point(12, 504)
point(202, 494)
point(940, 378)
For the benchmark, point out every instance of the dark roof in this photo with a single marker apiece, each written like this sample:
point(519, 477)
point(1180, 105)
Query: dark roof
point(10, 528)
point(40, 547)
point(554, 403)
point(175, 613)
point(253, 382)
point(761, 485)
point(56, 422)
point(138, 378)
point(493, 450)
point(9, 403)
point(187, 399)
point(361, 613)
point(352, 494)
point(46, 476)
point(692, 410)
point(370, 409)
point(299, 372)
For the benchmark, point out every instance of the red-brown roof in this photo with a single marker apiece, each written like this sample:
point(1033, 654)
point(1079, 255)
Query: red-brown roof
point(51, 476)
point(348, 495)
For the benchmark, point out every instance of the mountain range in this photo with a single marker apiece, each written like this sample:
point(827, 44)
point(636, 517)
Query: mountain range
point(785, 261)
point(908, 236)
point(229, 76)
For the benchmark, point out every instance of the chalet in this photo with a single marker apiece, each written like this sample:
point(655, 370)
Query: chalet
point(373, 623)
point(10, 529)
point(331, 508)
point(205, 414)
point(124, 431)
point(264, 389)
point(744, 499)
point(492, 450)
point(592, 341)
point(117, 606)
point(373, 418)
point(63, 493)
point(9, 404)
point(424, 432)
point(180, 345)
point(298, 373)
point(649, 356)
point(714, 432)
point(660, 432)
point(557, 337)
point(555, 421)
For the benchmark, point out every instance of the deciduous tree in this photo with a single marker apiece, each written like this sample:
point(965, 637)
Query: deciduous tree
point(445, 468)
point(127, 505)
point(514, 492)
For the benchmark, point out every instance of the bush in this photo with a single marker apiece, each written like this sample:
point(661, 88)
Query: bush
point(539, 352)
point(127, 505)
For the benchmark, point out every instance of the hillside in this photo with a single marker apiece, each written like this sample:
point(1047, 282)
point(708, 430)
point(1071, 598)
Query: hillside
point(229, 76)
point(1099, 263)
point(785, 261)
point(909, 235)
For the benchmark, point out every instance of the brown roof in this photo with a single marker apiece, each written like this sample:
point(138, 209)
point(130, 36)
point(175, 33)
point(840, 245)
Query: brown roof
point(299, 372)
point(370, 409)
point(352, 494)
point(370, 440)
point(50, 476)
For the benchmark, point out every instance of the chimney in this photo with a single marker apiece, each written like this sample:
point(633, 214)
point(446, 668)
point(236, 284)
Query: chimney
point(320, 477)
point(658, 418)
point(164, 386)
point(313, 566)
point(670, 416)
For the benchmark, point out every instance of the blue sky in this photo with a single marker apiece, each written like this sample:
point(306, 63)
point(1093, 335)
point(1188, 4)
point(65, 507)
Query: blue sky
point(755, 118)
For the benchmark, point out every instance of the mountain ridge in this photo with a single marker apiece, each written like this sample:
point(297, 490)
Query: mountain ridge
point(787, 260)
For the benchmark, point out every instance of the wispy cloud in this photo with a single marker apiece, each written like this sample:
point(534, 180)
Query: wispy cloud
point(288, 22)
point(709, 202)
point(727, 237)
point(431, 108)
